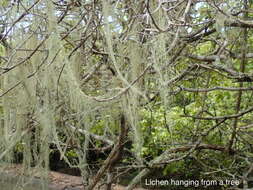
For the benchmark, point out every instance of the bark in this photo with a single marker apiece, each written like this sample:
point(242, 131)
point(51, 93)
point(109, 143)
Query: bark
point(114, 155)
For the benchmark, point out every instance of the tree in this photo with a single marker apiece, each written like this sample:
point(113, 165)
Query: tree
point(161, 81)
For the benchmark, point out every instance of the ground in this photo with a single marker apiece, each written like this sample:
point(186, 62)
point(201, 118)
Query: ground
point(58, 181)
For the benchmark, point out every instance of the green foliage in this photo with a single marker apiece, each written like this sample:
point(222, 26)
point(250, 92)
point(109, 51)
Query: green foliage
point(4, 3)
point(204, 48)
point(72, 156)
point(174, 168)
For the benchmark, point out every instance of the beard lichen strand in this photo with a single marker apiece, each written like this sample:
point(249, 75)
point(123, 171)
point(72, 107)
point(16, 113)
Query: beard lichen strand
point(160, 55)
point(78, 105)
point(45, 109)
point(76, 98)
point(79, 108)
point(107, 12)
point(130, 108)
point(136, 61)
point(83, 152)
point(14, 120)
point(7, 116)
point(130, 98)
point(18, 104)
point(5, 119)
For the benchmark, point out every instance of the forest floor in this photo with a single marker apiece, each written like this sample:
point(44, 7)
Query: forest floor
point(57, 181)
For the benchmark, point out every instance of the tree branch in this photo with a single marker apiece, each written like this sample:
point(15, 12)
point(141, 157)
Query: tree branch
point(216, 88)
point(240, 114)
point(113, 156)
